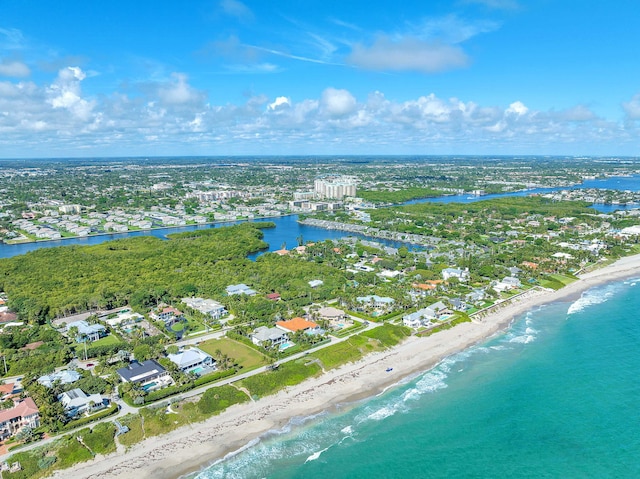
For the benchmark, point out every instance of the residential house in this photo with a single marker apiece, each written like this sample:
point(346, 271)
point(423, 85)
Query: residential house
point(145, 373)
point(192, 359)
point(23, 414)
point(314, 283)
point(332, 314)
point(378, 302)
point(169, 315)
point(63, 377)
point(86, 331)
point(77, 402)
point(475, 296)
point(265, 337)
point(297, 324)
point(240, 289)
point(206, 306)
point(460, 274)
point(458, 304)
point(273, 296)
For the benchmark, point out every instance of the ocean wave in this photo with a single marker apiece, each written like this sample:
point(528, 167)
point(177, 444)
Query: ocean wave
point(316, 455)
point(592, 298)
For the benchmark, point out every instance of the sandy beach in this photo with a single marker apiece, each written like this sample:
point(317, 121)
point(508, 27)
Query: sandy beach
point(193, 447)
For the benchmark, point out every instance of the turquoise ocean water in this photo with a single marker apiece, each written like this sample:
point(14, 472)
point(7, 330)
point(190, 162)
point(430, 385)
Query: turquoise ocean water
point(555, 396)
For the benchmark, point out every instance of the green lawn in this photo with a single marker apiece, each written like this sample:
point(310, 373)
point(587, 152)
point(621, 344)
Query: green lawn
point(106, 341)
point(245, 356)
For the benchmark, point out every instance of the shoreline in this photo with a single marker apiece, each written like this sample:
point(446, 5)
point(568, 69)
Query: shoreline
point(194, 447)
point(153, 228)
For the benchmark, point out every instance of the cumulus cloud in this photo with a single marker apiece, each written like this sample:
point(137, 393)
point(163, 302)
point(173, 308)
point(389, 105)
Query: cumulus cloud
point(407, 54)
point(14, 69)
point(280, 103)
point(632, 108)
point(66, 93)
point(517, 108)
point(337, 103)
point(178, 91)
point(176, 115)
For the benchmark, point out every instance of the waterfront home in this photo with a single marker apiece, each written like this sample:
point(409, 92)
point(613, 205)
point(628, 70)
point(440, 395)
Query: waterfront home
point(378, 302)
point(192, 359)
point(297, 324)
point(240, 289)
point(147, 373)
point(206, 306)
point(265, 337)
point(63, 377)
point(77, 402)
point(332, 314)
point(86, 332)
point(23, 414)
point(415, 319)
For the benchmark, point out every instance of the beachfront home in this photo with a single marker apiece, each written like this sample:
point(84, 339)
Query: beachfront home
point(424, 316)
point(206, 306)
point(146, 373)
point(332, 314)
point(76, 402)
point(192, 359)
point(375, 301)
point(63, 377)
point(265, 337)
point(240, 289)
point(297, 324)
point(23, 414)
point(85, 331)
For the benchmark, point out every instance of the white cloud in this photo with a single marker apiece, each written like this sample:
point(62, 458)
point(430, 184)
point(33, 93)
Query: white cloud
point(632, 108)
point(14, 69)
point(66, 93)
point(280, 103)
point(178, 91)
point(57, 119)
point(337, 103)
point(408, 54)
point(517, 108)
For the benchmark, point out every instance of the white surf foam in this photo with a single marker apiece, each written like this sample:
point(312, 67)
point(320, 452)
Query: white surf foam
point(592, 297)
point(315, 455)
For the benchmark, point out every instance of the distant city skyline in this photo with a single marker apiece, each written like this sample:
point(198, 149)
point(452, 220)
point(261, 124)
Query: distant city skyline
point(230, 77)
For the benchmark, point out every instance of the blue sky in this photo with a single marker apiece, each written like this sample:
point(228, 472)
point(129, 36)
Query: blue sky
point(305, 77)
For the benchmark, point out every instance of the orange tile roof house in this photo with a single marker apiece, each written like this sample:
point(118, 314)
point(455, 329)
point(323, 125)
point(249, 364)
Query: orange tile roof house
point(296, 324)
point(24, 414)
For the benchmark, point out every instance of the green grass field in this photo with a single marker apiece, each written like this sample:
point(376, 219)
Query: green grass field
point(245, 356)
point(106, 341)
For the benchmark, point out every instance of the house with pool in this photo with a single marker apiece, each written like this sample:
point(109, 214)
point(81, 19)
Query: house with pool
point(266, 337)
point(149, 374)
point(193, 360)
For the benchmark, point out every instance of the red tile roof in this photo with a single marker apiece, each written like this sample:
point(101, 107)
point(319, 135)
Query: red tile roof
point(24, 408)
point(297, 324)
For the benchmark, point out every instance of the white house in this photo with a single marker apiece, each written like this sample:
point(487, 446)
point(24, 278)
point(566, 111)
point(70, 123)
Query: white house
point(77, 402)
point(264, 336)
point(192, 359)
point(460, 274)
point(240, 289)
point(206, 306)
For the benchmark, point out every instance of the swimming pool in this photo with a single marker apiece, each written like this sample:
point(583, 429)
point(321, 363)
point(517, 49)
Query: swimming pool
point(286, 345)
point(146, 387)
point(198, 370)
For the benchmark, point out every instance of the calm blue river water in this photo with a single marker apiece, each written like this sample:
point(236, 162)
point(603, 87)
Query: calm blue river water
point(287, 229)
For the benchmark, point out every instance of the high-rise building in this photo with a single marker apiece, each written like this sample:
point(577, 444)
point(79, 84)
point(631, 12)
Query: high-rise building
point(335, 187)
